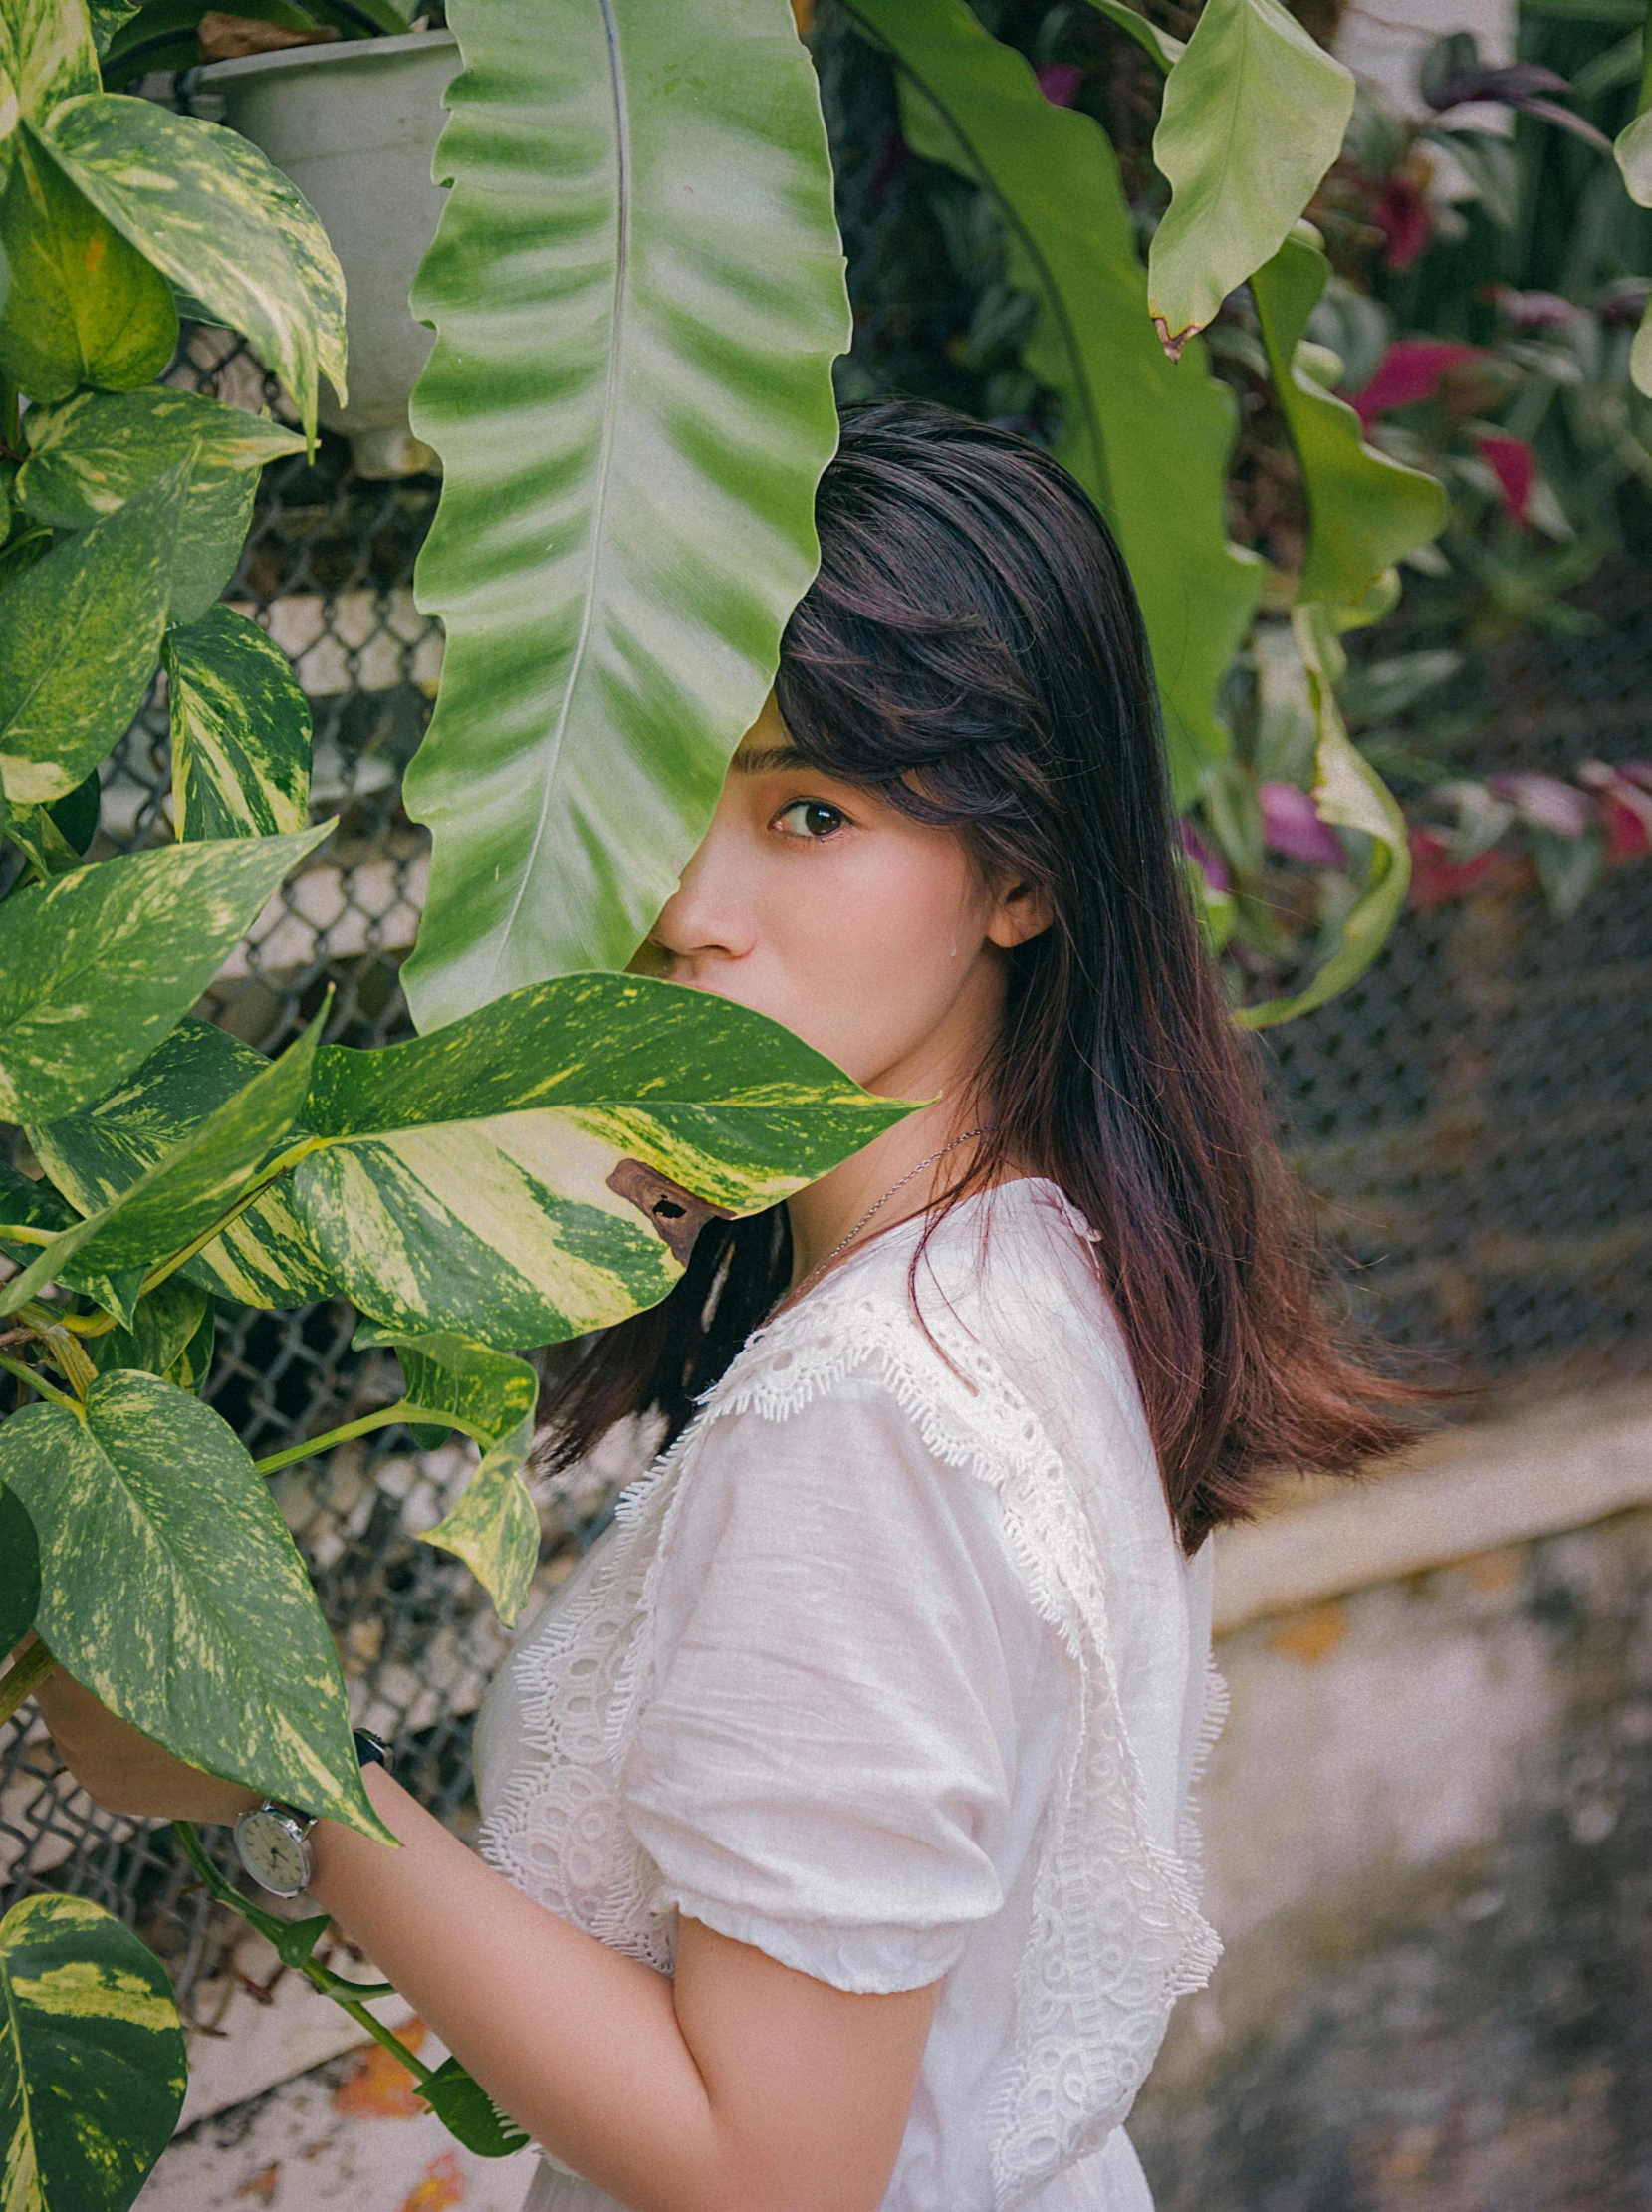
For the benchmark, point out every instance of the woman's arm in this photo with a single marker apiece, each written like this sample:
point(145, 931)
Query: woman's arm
point(739, 2086)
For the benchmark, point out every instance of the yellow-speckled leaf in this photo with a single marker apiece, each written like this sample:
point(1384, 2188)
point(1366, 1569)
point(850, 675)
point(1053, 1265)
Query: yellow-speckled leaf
point(240, 731)
point(493, 1528)
point(157, 1341)
point(91, 2059)
point(262, 1259)
point(1253, 114)
point(83, 307)
point(1364, 510)
point(46, 54)
point(541, 1167)
point(1348, 792)
point(637, 291)
point(79, 640)
point(89, 456)
point(170, 1587)
point(207, 208)
point(96, 967)
point(189, 1186)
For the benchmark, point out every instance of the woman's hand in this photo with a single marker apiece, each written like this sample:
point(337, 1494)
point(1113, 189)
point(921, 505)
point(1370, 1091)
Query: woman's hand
point(124, 1771)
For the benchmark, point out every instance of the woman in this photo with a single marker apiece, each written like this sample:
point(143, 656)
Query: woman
point(835, 1842)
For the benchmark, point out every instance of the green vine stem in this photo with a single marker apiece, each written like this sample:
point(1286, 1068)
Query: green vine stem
point(24, 1677)
point(36, 1381)
point(403, 1410)
point(345, 1994)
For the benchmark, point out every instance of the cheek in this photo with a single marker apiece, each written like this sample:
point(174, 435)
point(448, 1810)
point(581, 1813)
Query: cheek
point(874, 947)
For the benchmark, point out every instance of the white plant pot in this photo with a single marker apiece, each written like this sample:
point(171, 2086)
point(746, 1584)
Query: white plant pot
point(355, 126)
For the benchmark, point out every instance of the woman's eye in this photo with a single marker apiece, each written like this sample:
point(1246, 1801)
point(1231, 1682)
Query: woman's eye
point(810, 817)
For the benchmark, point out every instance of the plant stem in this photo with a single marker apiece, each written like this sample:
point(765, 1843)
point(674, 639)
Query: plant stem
point(24, 1677)
point(319, 1977)
point(403, 1410)
point(36, 1381)
point(19, 1233)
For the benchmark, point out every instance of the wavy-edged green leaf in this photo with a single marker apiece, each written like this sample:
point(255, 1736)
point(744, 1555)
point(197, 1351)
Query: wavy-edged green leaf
point(162, 1329)
point(82, 306)
point(27, 1204)
point(19, 1571)
point(493, 1528)
point(637, 291)
point(264, 1257)
point(541, 1169)
point(89, 456)
point(170, 1587)
point(1148, 440)
point(92, 2059)
point(96, 968)
point(81, 641)
point(240, 728)
point(1254, 115)
point(186, 1190)
point(1365, 511)
point(206, 207)
point(1347, 791)
point(469, 2115)
point(46, 54)
point(1165, 50)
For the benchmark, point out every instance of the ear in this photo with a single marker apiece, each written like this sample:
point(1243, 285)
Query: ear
point(1022, 913)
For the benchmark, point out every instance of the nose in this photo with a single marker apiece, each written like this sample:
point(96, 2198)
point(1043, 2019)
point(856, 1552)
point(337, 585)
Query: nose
point(708, 913)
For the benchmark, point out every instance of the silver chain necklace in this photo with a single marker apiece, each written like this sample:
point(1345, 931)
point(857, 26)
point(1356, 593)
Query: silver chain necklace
point(819, 1269)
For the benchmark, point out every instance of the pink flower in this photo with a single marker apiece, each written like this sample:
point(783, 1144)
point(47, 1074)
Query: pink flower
point(1409, 372)
point(1401, 213)
point(1545, 803)
point(1436, 878)
point(1625, 808)
point(1292, 827)
point(1209, 863)
point(1058, 81)
point(1513, 464)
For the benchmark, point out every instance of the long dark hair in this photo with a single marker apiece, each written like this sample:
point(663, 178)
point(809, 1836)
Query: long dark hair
point(971, 651)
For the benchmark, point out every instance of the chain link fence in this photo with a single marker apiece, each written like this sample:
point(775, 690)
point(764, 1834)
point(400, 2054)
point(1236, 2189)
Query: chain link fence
point(1473, 1116)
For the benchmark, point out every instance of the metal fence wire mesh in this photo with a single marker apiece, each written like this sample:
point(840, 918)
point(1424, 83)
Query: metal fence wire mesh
point(1473, 1116)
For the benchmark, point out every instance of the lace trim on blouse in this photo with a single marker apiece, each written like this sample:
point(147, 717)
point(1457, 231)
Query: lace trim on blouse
point(1116, 1933)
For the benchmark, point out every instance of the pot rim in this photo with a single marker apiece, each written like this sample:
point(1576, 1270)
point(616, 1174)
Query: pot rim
point(221, 76)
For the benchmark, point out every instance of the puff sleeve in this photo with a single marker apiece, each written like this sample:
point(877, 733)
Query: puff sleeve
point(823, 1759)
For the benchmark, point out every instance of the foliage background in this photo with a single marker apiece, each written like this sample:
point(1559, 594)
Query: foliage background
point(1472, 1112)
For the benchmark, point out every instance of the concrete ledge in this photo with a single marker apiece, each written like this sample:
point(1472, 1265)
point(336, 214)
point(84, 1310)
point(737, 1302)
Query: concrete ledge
point(1471, 1490)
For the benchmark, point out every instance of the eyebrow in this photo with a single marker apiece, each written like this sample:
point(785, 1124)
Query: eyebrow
point(768, 759)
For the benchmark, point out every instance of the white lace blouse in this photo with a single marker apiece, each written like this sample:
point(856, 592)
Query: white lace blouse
point(893, 1667)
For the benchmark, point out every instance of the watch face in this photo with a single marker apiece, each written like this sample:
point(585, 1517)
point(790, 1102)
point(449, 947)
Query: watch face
point(273, 1849)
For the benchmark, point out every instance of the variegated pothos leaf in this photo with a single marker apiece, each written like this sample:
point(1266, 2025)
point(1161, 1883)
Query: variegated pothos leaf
point(170, 1587)
point(96, 967)
point(92, 2059)
point(206, 207)
point(493, 1528)
point(240, 727)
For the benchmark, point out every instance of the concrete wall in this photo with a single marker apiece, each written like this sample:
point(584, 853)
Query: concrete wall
point(1429, 1834)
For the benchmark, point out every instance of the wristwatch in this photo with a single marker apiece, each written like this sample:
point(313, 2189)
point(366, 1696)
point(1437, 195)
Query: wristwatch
point(272, 1841)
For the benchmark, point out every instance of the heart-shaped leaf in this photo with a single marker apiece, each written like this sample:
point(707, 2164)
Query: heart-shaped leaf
point(637, 291)
point(83, 307)
point(46, 56)
point(191, 1185)
point(493, 1528)
point(96, 968)
point(240, 731)
point(89, 456)
point(92, 2059)
point(207, 208)
point(171, 1587)
point(81, 641)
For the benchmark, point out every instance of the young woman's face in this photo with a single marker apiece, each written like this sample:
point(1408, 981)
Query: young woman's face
point(865, 932)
